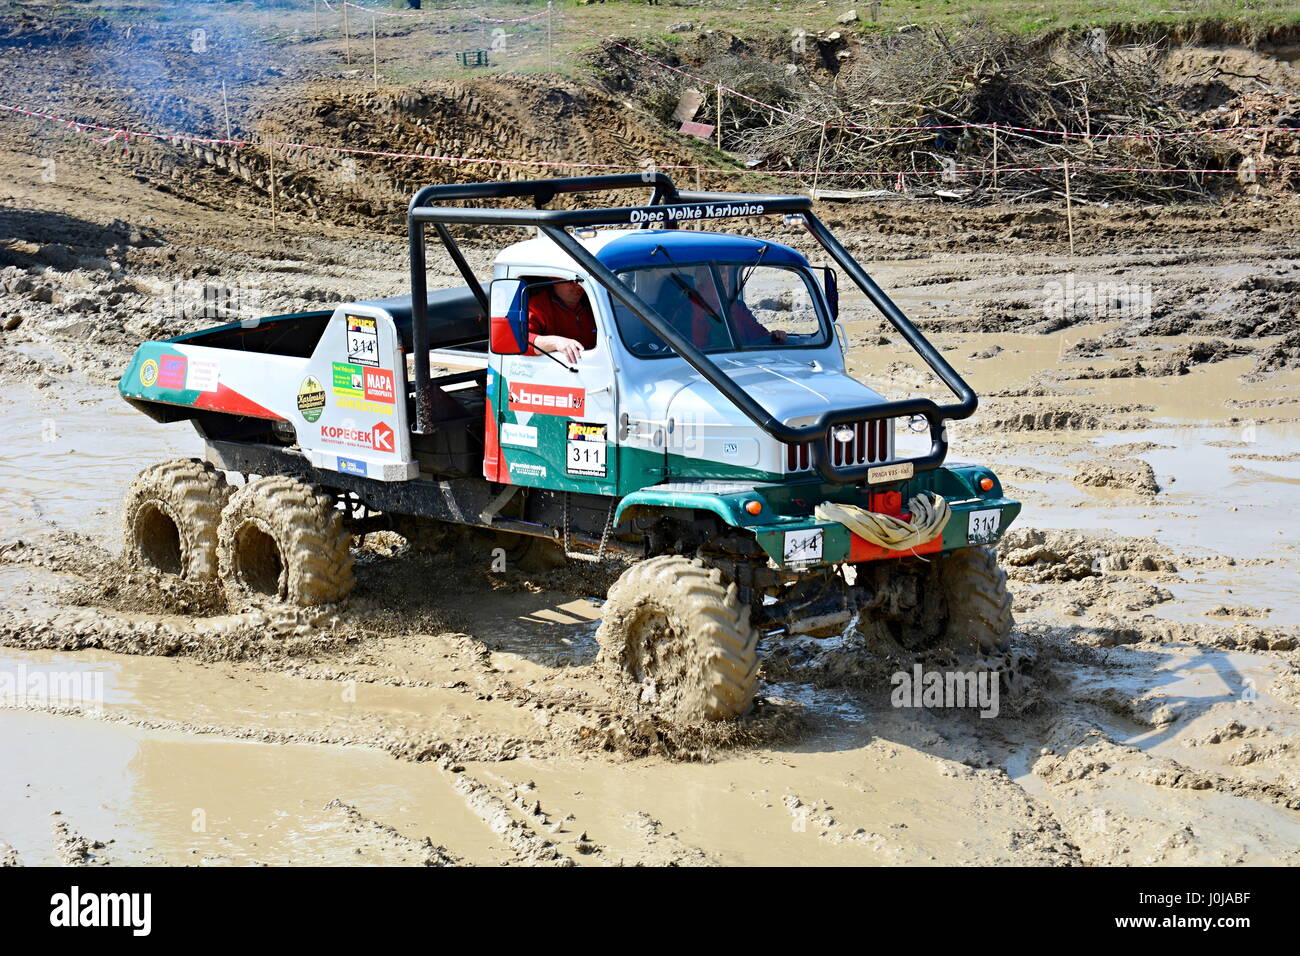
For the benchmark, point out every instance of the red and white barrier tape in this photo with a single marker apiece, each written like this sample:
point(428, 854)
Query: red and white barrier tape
point(424, 13)
point(125, 135)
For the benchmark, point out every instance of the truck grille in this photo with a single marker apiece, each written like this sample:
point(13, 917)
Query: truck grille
point(870, 443)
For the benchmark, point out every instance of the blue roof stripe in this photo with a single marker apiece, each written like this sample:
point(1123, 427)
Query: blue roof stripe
point(687, 246)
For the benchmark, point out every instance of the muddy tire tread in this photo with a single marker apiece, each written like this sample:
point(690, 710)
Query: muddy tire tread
point(191, 492)
point(315, 544)
point(698, 601)
point(979, 604)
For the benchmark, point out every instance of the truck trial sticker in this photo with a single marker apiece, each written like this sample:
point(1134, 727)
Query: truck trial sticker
point(586, 449)
point(803, 547)
point(311, 399)
point(363, 341)
point(546, 399)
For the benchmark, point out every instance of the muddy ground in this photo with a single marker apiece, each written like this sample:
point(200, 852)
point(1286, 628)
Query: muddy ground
point(1141, 397)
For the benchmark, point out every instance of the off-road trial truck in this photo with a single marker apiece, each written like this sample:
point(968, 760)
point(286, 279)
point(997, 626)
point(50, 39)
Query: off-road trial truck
point(711, 432)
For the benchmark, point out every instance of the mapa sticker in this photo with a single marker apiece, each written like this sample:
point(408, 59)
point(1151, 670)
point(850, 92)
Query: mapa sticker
point(586, 449)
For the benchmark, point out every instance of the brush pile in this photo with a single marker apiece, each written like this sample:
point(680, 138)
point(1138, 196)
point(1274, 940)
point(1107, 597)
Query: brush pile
point(983, 113)
point(1081, 102)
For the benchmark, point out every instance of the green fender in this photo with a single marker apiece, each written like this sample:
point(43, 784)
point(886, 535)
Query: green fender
point(729, 507)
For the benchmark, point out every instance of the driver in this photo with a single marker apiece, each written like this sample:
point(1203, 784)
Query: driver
point(698, 304)
point(560, 320)
point(751, 331)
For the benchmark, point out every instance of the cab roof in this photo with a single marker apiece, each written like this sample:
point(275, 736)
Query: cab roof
point(619, 249)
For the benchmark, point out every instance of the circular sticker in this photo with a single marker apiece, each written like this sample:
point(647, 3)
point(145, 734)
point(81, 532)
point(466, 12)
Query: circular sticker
point(148, 373)
point(311, 398)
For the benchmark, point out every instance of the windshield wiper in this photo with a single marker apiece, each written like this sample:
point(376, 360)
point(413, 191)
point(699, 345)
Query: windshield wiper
point(692, 295)
point(740, 286)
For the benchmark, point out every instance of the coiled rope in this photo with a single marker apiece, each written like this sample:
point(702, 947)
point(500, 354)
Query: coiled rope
point(929, 517)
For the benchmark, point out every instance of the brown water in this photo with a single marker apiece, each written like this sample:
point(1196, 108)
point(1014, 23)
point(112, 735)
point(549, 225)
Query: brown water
point(184, 761)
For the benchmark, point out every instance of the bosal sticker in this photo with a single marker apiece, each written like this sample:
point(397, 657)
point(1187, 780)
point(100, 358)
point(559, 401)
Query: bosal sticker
point(546, 399)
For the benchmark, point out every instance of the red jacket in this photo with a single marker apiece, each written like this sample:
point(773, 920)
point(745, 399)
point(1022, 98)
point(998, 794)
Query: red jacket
point(705, 329)
point(549, 315)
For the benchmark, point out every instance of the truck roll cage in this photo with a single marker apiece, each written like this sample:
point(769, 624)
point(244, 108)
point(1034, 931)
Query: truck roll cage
point(669, 207)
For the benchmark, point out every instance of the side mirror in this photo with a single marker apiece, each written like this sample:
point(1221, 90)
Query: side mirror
point(508, 323)
point(831, 286)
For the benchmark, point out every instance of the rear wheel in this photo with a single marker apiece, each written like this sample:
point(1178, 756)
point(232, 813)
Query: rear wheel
point(283, 539)
point(678, 633)
point(171, 514)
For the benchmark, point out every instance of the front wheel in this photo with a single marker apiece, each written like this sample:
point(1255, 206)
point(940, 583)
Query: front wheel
point(678, 633)
point(284, 540)
point(979, 604)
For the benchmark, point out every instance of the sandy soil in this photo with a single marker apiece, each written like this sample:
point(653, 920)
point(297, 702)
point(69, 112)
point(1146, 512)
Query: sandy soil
point(1141, 398)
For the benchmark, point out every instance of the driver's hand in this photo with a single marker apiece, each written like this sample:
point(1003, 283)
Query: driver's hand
point(780, 337)
point(571, 349)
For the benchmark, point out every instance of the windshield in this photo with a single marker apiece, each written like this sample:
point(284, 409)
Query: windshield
point(723, 307)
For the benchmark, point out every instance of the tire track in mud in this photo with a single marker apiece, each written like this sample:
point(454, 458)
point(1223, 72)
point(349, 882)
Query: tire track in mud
point(1090, 751)
point(516, 821)
point(73, 849)
point(425, 851)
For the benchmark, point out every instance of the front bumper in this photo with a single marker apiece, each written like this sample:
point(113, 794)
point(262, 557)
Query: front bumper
point(785, 527)
point(798, 545)
point(797, 540)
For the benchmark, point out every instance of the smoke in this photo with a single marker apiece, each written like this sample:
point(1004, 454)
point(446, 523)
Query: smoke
point(165, 68)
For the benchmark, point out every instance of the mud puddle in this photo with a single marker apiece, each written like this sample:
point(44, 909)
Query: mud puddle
point(153, 797)
point(1204, 728)
point(67, 458)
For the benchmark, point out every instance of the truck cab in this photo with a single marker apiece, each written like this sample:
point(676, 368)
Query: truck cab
point(632, 413)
